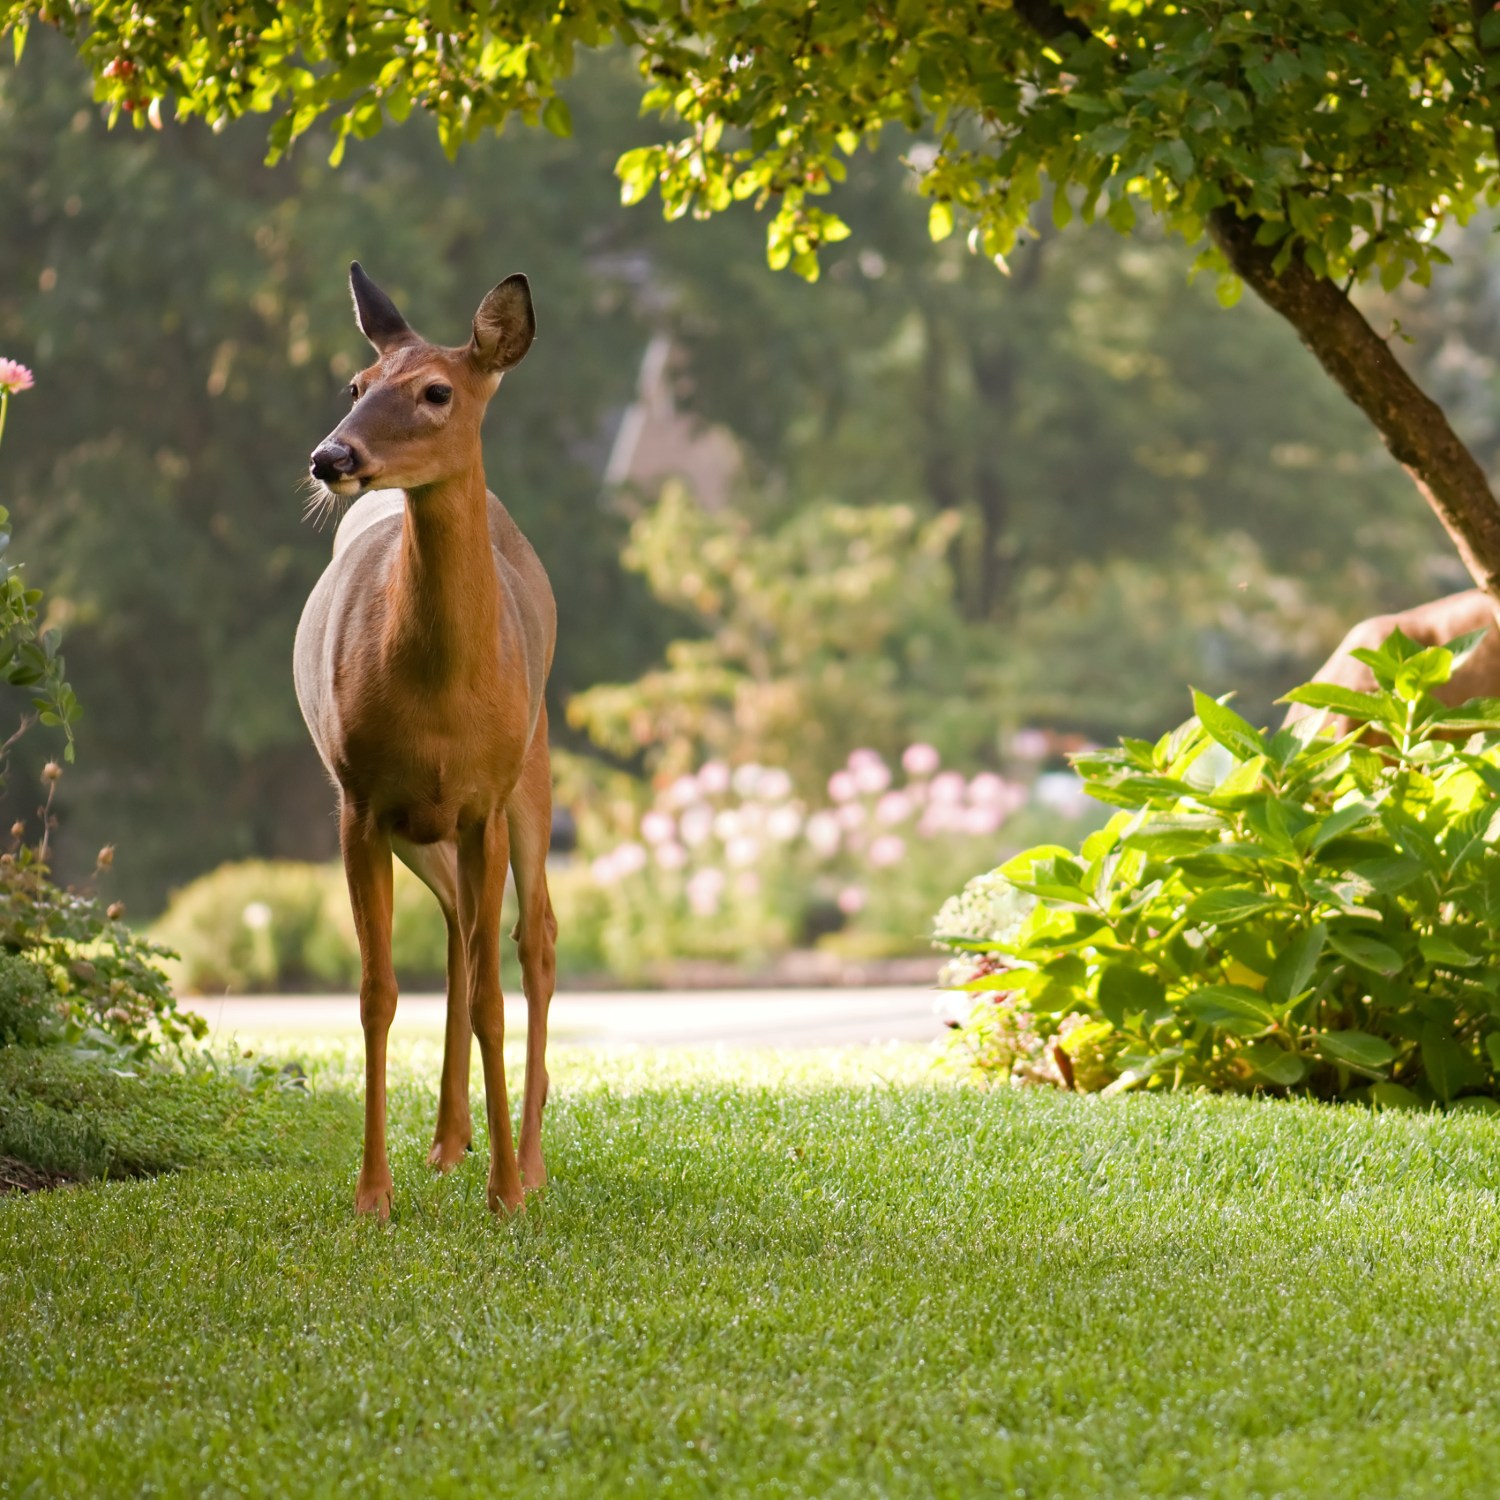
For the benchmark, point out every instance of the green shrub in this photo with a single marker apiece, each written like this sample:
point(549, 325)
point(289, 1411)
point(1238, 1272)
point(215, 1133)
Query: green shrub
point(65, 1116)
point(107, 980)
point(1266, 912)
point(29, 1015)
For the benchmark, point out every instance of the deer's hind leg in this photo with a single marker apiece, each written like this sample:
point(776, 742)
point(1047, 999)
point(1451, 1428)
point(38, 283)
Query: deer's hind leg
point(436, 866)
point(529, 817)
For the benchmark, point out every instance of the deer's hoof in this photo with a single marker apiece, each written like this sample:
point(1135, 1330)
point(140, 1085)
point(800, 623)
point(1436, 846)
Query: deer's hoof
point(447, 1152)
point(373, 1198)
point(505, 1200)
point(533, 1173)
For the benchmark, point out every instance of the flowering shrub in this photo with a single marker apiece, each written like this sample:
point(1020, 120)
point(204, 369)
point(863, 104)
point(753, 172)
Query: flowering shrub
point(1266, 912)
point(731, 864)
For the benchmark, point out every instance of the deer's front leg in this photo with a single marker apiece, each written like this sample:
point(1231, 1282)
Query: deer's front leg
point(367, 864)
point(483, 851)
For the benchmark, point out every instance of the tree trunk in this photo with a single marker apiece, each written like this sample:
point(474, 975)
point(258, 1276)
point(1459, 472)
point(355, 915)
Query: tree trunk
point(1414, 427)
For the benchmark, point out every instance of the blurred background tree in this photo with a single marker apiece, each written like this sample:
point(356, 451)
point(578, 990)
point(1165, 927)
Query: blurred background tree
point(1136, 490)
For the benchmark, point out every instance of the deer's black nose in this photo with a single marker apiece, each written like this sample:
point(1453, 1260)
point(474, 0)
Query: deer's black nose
point(331, 460)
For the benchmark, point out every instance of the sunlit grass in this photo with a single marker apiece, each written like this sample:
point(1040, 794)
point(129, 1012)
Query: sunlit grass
point(812, 1276)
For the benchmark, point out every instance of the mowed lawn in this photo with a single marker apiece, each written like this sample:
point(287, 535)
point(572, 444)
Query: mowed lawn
point(760, 1276)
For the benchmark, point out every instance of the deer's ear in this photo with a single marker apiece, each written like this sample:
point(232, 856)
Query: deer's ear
point(504, 326)
point(376, 314)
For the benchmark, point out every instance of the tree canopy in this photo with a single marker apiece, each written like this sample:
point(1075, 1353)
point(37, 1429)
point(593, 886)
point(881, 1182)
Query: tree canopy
point(1315, 146)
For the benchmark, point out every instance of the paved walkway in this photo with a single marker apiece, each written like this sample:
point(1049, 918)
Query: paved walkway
point(680, 1018)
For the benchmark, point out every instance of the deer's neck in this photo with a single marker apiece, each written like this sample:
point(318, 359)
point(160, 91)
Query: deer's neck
point(445, 594)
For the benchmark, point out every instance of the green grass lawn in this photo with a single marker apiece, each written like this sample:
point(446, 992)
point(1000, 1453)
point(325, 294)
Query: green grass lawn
point(755, 1277)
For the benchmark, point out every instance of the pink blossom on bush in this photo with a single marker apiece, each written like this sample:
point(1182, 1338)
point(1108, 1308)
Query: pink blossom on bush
point(824, 833)
point(852, 815)
point(981, 821)
point(920, 760)
point(657, 827)
point(742, 851)
point(729, 824)
point(784, 824)
point(746, 779)
point(703, 890)
point(695, 825)
point(987, 789)
point(948, 789)
point(871, 775)
point(713, 778)
point(851, 900)
point(682, 792)
point(775, 785)
point(1030, 744)
point(621, 862)
point(887, 850)
point(894, 807)
point(841, 786)
point(671, 855)
point(14, 376)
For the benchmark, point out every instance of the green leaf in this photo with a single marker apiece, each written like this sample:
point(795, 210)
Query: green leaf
point(1124, 992)
point(1340, 700)
point(1450, 1069)
point(1393, 1096)
point(940, 220)
point(1235, 734)
point(557, 117)
point(1232, 1007)
point(1275, 1064)
point(1292, 972)
point(1226, 905)
point(1437, 949)
point(1355, 1049)
point(1367, 952)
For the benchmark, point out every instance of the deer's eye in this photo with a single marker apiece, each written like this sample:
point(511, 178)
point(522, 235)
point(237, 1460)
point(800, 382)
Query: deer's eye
point(439, 395)
point(354, 393)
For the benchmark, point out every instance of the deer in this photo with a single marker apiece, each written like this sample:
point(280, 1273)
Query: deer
point(1432, 624)
point(420, 663)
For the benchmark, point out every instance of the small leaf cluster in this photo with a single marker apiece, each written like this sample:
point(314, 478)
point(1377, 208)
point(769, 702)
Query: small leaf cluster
point(1348, 133)
point(29, 656)
point(1271, 911)
point(107, 981)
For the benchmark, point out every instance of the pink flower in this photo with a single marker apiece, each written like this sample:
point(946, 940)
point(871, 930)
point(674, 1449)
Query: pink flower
point(697, 824)
point(703, 891)
point(887, 850)
point(981, 821)
point(14, 376)
point(871, 775)
point(682, 792)
point(852, 815)
point(841, 786)
point(713, 778)
point(742, 851)
point(894, 807)
point(657, 827)
point(920, 760)
point(987, 790)
point(948, 789)
point(775, 784)
point(858, 759)
point(746, 779)
point(671, 856)
point(784, 824)
point(1030, 744)
point(851, 900)
point(824, 833)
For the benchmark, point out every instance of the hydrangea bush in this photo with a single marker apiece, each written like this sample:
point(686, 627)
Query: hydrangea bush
point(732, 864)
point(1277, 912)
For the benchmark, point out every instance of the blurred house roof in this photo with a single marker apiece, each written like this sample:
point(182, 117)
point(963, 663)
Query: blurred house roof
point(655, 442)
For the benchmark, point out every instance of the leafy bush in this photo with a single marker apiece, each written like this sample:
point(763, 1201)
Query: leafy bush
point(65, 1117)
point(106, 980)
point(28, 1004)
point(732, 865)
point(279, 925)
point(1280, 911)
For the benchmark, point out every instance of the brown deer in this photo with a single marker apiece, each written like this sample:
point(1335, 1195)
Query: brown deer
point(420, 662)
point(1432, 624)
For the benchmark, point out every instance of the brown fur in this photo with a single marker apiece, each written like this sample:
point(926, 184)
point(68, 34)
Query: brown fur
point(420, 664)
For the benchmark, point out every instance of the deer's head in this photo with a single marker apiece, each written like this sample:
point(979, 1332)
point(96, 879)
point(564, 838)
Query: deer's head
point(417, 409)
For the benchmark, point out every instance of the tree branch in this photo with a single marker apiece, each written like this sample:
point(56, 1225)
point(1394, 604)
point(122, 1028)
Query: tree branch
point(1413, 426)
